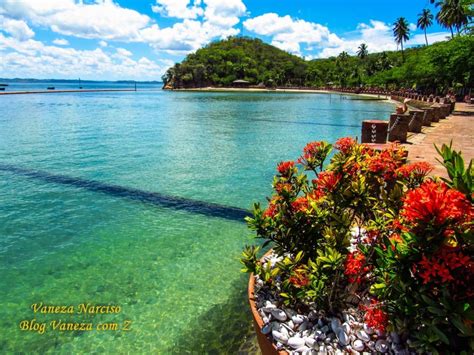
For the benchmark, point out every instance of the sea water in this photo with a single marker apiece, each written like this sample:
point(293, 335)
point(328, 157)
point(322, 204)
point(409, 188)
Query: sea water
point(114, 199)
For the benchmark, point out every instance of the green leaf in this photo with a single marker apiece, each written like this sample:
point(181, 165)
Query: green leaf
point(440, 334)
point(437, 311)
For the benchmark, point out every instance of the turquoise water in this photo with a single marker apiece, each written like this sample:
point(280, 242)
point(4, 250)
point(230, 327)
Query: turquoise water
point(135, 200)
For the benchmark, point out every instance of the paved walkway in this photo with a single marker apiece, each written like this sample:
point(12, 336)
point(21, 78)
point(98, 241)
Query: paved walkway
point(458, 127)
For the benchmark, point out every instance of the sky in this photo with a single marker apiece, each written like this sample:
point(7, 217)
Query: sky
point(140, 39)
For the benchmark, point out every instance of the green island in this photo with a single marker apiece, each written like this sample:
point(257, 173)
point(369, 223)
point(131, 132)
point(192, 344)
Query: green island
point(432, 68)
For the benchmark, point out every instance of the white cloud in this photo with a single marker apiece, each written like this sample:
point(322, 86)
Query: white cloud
point(33, 58)
point(123, 52)
point(288, 33)
point(219, 19)
point(102, 19)
point(203, 20)
point(224, 13)
point(103, 44)
point(412, 27)
point(17, 28)
point(61, 42)
point(178, 8)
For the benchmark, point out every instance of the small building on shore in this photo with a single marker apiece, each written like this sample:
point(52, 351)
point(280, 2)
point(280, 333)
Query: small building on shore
point(241, 84)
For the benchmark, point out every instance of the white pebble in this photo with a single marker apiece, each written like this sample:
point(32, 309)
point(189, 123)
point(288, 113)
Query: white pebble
point(358, 345)
point(381, 346)
point(335, 324)
point(346, 327)
point(297, 319)
point(311, 342)
point(362, 335)
point(279, 336)
point(296, 342)
point(368, 329)
point(279, 314)
point(342, 337)
point(303, 349)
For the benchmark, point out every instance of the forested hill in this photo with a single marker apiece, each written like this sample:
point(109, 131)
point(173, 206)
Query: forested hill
point(431, 68)
point(220, 63)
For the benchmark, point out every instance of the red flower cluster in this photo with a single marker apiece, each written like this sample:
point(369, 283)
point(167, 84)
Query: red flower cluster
point(271, 210)
point(436, 203)
point(351, 168)
point(313, 154)
point(300, 204)
point(375, 317)
point(327, 181)
point(416, 170)
point(283, 187)
point(355, 268)
point(345, 144)
point(312, 149)
point(299, 278)
point(386, 162)
point(285, 168)
point(448, 265)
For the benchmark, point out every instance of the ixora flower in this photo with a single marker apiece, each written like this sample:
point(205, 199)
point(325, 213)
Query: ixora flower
point(314, 155)
point(345, 144)
point(369, 242)
point(327, 181)
point(286, 168)
point(417, 170)
point(300, 204)
point(448, 265)
point(435, 203)
point(375, 317)
point(386, 162)
point(355, 267)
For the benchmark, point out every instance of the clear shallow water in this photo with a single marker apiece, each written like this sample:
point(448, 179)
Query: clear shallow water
point(67, 236)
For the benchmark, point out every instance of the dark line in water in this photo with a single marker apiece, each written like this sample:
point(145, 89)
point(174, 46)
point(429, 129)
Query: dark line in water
point(308, 123)
point(154, 198)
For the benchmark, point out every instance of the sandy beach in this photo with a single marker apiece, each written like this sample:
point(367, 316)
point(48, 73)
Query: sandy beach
point(293, 91)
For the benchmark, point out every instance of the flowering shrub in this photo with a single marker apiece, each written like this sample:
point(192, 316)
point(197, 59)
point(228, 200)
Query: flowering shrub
point(373, 231)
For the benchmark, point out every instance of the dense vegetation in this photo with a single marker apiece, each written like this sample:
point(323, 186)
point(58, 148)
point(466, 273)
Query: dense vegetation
point(432, 68)
point(220, 63)
point(435, 68)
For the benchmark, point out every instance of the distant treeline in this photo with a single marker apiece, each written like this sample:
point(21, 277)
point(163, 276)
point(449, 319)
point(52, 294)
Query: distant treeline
point(434, 68)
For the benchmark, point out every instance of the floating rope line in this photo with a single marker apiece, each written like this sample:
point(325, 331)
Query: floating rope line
point(307, 123)
point(130, 193)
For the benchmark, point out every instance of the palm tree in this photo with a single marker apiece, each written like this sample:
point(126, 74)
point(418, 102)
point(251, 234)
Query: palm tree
point(401, 32)
point(453, 13)
point(425, 20)
point(362, 52)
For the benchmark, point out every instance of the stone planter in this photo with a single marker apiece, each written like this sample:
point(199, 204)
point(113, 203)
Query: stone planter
point(266, 345)
point(416, 121)
point(374, 131)
point(398, 128)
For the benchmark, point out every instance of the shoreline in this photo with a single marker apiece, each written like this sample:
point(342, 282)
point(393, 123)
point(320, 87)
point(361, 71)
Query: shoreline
point(364, 96)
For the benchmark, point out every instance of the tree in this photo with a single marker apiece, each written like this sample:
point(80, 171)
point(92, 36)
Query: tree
point(454, 13)
point(425, 20)
point(362, 52)
point(401, 32)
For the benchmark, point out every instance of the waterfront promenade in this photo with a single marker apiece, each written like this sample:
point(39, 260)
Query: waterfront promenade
point(458, 127)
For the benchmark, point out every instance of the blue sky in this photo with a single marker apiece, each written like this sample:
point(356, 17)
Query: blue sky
point(126, 39)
